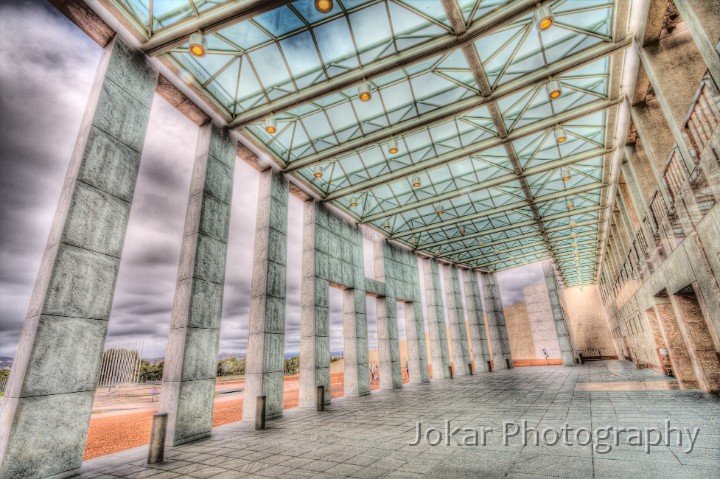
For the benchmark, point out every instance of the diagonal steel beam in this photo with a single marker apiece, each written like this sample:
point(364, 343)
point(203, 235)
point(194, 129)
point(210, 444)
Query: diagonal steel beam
point(549, 166)
point(216, 19)
point(490, 255)
point(462, 107)
point(463, 153)
point(543, 255)
point(518, 263)
point(517, 248)
point(500, 209)
point(517, 238)
point(517, 225)
point(496, 19)
point(455, 16)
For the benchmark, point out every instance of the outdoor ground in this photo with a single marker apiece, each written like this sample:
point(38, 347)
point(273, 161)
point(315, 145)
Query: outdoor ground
point(122, 417)
point(371, 436)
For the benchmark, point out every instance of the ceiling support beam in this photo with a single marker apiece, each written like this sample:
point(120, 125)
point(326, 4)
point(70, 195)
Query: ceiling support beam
point(490, 255)
point(503, 209)
point(461, 107)
point(463, 153)
point(516, 238)
point(210, 22)
point(509, 250)
point(517, 225)
point(496, 19)
point(541, 253)
point(549, 166)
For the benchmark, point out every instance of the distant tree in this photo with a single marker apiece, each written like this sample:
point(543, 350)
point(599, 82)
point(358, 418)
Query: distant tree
point(151, 371)
point(231, 367)
point(292, 366)
point(4, 373)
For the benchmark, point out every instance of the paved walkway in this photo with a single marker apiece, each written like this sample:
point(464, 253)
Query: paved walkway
point(369, 437)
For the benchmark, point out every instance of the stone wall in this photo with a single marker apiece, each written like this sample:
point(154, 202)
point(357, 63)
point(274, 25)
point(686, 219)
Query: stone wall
point(522, 345)
point(542, 325)
point(588, 327)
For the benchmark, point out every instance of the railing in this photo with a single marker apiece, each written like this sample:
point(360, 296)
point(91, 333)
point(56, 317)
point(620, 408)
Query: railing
point(704, 115)
point(687, 190)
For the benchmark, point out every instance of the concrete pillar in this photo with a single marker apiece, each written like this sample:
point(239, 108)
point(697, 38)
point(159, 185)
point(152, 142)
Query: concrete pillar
point(502, 359)
point(561, 328)
point(439, 356)
point(388, 344)
point(702, 18)
point(265, 367)
point(476, 321)
point(314, 317)
point(415, 337)
point(680, 358)
point(191, 360)
point(387, 328)
point(695, 330)
point(456, 321)
point(355, 347)
point(45, 415)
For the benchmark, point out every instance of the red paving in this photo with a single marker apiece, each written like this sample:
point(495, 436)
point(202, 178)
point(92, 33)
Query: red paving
point(117, 432)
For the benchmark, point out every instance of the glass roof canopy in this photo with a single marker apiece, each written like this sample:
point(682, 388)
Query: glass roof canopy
point(478, 178)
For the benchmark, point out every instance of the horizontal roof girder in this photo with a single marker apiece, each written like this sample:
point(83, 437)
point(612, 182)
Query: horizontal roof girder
point(518, 225)
point(569, 248)
point(462, 153)
point(498, 18)
point(218, 18)
point(543, 255)
point(508, 250)
point(534, 234)
point(500, 209)
point(464, 106)
point(549, 166)
point(569, 256)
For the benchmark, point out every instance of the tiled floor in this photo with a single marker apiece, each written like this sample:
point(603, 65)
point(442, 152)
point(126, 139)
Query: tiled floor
point(369, 437)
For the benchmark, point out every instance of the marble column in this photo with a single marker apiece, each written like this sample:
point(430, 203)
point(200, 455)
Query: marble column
point(314, 315)
point(476, 321)
point(388, 344)
point(265, 366)
point(415, 336)
point(439, 357)
point(456, 321)
point(355, 347)
point(502, 359)
point(561, 328)
point(49, 395)
point(191, 360)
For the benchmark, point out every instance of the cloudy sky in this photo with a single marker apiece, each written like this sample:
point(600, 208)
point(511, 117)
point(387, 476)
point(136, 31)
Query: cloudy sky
point(47, 67)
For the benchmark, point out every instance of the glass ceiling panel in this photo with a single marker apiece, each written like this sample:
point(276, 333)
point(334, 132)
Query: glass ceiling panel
point(399, 96)
point(520, 47)
point(463, 170)
point(293, 47)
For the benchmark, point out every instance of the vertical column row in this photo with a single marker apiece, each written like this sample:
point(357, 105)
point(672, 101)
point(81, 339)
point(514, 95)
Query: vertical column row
point(476, 322)
point(191, 359)
point(456, 321)
point(502, 358)
point(436, 323)
point(265, 368)
point(561, 328)
point(67, 320)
